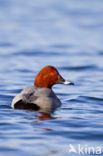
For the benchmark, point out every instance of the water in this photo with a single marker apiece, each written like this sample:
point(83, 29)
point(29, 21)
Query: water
point(68, 35)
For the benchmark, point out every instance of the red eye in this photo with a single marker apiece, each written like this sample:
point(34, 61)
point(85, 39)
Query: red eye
point(52, 73)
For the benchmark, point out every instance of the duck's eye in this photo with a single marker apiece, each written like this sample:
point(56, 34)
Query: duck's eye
point(52, 73)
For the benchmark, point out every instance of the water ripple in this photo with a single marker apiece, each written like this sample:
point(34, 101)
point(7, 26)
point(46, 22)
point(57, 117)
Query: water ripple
point(80, 68)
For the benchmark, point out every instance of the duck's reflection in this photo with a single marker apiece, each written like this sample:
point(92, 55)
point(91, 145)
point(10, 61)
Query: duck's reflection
point(42, 129)
point(43, 116)
point(37, 118)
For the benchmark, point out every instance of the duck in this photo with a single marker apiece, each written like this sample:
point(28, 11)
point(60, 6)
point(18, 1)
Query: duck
point(40, 97)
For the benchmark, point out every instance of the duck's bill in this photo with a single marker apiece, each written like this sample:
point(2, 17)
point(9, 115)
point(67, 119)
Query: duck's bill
point(68, 83)
point(63, 81)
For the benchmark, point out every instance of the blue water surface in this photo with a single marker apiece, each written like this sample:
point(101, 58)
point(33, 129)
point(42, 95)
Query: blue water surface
point(67, 34)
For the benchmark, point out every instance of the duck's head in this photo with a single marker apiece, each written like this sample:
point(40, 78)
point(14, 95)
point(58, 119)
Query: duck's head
point(49, 76)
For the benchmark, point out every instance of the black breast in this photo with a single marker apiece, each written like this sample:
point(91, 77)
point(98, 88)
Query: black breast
point(28, 106)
